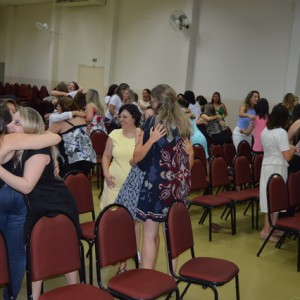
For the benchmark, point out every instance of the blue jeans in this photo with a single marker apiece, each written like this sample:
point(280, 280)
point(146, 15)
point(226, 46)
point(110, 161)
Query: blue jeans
point(12, 218)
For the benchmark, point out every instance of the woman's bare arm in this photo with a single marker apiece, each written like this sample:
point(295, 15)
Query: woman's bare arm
point(33, 170)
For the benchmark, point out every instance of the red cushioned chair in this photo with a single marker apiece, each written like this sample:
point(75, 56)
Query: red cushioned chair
point(99, 138)
point(278, 200)
point(81, 189)
point(53, 248)
point(209, 272)
point(115, 243)
point(4, 267)
point(218, 177)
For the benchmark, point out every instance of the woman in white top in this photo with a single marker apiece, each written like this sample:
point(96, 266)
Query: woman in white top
point(277, 153)
point(115, 102)
point(110, 92)
point(194, 106)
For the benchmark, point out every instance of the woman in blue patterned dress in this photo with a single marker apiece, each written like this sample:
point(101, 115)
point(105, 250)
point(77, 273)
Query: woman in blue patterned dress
point(166, 155)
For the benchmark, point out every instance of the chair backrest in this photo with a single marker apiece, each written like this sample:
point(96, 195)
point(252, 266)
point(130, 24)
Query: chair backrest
point(98, 138)
point(179, 235)
point(115, 239)
point(4, 267)
point(277, 194)
point(293, 189)
point(218, 172)
point(256, 167)
point(242, 171)
point(199, 153)
point(245, 149)
point(216, 150)
point(198, 176)
point(81, 190)
point(229, 153)
point(43, 92)
point(53, 248)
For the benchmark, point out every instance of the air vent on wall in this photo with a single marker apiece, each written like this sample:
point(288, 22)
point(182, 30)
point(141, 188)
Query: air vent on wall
point(72, 3)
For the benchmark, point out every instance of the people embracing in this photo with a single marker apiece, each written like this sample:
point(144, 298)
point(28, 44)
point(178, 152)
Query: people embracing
point(165, 155)
point(246, 114)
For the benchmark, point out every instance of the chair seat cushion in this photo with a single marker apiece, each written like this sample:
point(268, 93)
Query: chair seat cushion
point(142, 284)
point(290, 223)
point(87, 230)
point(76, 292)
point(210, 200)
point(236, 195)
point(208, 269)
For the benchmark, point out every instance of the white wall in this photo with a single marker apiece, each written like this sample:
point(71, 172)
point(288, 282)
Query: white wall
point(233, 46)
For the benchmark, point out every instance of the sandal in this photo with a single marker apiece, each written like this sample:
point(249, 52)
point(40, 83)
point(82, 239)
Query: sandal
point(272, 238)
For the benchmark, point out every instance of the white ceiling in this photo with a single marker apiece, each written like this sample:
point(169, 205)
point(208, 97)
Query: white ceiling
point(21, 2)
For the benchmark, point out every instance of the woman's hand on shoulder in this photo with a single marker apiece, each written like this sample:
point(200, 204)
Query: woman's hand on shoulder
point(158, 132)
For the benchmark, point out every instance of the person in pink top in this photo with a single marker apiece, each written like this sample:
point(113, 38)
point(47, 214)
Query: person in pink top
point(258, 124)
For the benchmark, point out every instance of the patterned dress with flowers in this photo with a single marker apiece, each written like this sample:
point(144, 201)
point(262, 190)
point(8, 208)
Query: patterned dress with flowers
point(167, 177)
point(97, 122)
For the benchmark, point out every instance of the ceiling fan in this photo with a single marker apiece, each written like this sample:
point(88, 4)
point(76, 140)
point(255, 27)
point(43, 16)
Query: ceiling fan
point(43, 27)
point(179, 20)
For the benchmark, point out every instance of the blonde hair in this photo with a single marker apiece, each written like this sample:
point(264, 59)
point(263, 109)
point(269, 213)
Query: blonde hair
point(32, 122)
point(169, 112)
point(92, 96)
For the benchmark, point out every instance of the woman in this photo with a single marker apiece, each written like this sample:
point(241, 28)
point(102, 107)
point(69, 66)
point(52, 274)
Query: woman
point(44, 194)
point(215, 127)
point(70, 89)
point(115, 103)
point(289, 102)
point(118, 153)
point(277, 153)
point(111, 90)
point(12, 205)
point(94, 111)
point(194, 106)
point(144, 103)
point(76, 148)
point(259, 123)
point(246, 114)
point(220, 107)
point(162, 153)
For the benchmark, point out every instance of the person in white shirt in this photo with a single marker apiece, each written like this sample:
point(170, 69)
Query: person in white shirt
point(277, 153)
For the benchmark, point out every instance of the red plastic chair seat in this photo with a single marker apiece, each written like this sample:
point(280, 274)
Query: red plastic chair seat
point(142, 283)
point(209, 269)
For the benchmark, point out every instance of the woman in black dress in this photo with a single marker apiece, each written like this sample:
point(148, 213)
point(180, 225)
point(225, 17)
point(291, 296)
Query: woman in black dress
point(44, 193)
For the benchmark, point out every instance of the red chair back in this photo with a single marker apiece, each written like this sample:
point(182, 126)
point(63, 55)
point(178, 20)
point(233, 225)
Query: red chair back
point(256, 167)
point(218, 172)
point(98, 138)
point(229, 153)
point(114, 236)
point(179, 234)
point(198, 176)
point(293, 189)
point(4, 274)
point(216, 150)
point(277, 194)
point(242, 171)
point(245, 149)
point(81, 189)
point(53, 248)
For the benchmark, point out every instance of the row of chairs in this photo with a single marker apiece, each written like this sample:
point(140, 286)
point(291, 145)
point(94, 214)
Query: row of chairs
point(282, 197)
point(115, 243)
point(221, 189)
point(27, 95)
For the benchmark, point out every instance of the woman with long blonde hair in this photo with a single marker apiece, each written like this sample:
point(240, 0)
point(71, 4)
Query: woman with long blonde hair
point(45, 193)
point(165, 154)
point(94, 111)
